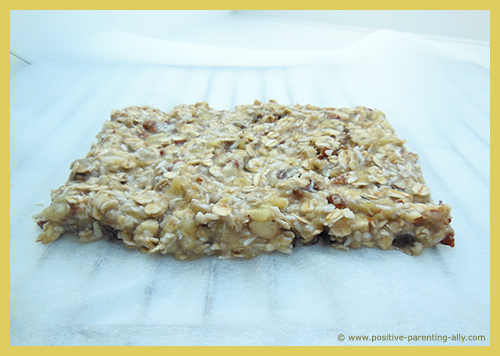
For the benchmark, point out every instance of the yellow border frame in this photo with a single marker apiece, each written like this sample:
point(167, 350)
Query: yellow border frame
point(216, 5)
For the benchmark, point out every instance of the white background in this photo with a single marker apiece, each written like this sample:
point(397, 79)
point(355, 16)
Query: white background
point(47, 34)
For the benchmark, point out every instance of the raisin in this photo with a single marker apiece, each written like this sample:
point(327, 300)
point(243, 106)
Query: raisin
point(150, 126)
point(314, 241)
point(403, 241)
point(111, 232)
point(299, 192)
point(82, 176)
point(281, 174)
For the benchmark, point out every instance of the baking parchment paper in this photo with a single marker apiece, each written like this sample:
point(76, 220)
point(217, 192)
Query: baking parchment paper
point(68, 293)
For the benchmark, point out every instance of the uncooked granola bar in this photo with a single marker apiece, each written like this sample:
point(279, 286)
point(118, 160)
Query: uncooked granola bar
point(198, 181)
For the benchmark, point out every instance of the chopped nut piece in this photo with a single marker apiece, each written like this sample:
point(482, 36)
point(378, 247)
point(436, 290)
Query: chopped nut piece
point(279, 202)
point(264, 229)
point(260, 214)
point(448, 240)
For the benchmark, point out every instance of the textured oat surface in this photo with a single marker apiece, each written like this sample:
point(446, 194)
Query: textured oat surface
point(197, 181)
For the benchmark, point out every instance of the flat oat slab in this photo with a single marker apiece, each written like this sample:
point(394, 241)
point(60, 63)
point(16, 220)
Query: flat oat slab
point(198, 181)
